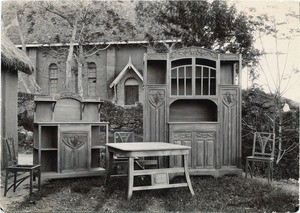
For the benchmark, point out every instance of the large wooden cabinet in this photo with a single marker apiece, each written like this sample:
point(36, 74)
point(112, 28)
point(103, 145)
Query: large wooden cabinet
point(69, 139)
point(192, 97)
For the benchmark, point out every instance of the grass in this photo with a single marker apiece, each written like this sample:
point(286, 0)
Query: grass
point(227, 194)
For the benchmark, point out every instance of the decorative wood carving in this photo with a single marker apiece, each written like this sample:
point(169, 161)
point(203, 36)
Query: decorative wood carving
point(229, 56)
point(68, 95)
point(229, 97)
point(74, 139)
point(182, 135)
point(194, 51)
point(205, 135)
point(157, 56)
point(157, 97)
point(161, 178)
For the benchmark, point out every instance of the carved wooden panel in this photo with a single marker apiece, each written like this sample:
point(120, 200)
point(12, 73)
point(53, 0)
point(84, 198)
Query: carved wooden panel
point(155, 115)
point(205, 148)
point(182, 138)
point(194, 51)
point(74, 149)
point(202, 144)
point(230, 126)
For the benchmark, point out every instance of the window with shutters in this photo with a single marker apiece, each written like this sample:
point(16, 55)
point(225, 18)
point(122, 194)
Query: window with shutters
point(92, 79)
point(53, 78)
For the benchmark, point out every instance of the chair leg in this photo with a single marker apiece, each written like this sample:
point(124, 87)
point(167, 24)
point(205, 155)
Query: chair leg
point(271, 171)
point(15, 180)
point(31, 177)
point(252, 169)
point(6, 180)
point(247, 164)
point(39, 178)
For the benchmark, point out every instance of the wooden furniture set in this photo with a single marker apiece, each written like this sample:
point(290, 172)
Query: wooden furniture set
point(192, 113)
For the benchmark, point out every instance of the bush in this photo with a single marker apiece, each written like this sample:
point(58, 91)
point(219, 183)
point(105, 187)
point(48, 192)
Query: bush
point(257, 109)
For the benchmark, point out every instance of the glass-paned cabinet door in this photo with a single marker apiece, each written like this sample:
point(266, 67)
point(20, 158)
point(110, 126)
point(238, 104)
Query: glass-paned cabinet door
point(181, 80)
point(205, 80)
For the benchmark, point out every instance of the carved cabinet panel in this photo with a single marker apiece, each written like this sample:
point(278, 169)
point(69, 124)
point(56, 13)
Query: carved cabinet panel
point(230, 127)
point(74, 149)
point(155, 116)
point(202, 145)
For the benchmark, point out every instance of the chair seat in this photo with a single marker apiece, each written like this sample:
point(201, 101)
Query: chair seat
point(256, 158)
point(24, 167)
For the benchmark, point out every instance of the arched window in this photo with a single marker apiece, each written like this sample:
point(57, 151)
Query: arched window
point(53, 69)
point(131, 91)
point(92, 79)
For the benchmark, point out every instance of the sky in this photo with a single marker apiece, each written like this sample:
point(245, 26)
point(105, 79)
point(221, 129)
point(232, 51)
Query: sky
point(289, 59)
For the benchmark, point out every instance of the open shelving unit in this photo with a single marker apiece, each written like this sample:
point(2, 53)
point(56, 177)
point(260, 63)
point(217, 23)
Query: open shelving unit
point(69, 140)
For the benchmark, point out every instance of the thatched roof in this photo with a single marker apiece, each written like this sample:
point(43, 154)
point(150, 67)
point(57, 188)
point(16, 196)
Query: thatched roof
point(13, 58)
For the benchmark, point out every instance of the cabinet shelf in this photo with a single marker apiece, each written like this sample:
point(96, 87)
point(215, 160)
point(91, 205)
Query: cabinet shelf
point(48, 149)
point(98, 147)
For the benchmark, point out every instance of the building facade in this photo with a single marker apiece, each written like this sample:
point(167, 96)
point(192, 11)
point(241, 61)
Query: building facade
point(114, 74)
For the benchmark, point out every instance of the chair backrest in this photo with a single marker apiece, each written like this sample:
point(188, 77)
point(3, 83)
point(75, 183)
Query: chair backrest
point(10, 150)
point(123, 137)
point(263, 144)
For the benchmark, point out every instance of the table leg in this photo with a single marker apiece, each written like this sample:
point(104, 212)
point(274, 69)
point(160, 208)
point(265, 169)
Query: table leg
point(31, 177)
point(187, 175)
point(130, 177)
point(109, 167)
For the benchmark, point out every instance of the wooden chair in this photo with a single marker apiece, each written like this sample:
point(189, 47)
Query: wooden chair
point(262, 151)
point(13, 167)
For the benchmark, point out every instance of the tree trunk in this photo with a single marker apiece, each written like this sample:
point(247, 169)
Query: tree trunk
point(279, 156)
point(80, 67)
point(68, 83)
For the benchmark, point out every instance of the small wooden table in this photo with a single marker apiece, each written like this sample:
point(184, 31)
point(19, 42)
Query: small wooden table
point(159, 177)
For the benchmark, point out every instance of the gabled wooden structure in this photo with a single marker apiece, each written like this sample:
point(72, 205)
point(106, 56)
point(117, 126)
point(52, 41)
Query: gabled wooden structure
point(193, 97)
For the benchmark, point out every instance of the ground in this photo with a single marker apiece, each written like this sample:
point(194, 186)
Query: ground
point(89, 194)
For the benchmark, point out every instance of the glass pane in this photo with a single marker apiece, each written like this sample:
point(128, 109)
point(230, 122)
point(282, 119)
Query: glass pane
point(181, 62)
point(205, 72)
point(174, 87)
point(189, 86)
point(181, 86)
point(205, 86)
point(181, 72)
point(212, 86)
point(198, 72)
point(188, 72)
point(174, 73)
point(212, 73)
point(198, 86)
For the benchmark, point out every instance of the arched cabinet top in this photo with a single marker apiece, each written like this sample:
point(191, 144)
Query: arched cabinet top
point(197, 52)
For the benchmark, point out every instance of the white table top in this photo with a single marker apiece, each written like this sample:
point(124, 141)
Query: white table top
point(146, 146)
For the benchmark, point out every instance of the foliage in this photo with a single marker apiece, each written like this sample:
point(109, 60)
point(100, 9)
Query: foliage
point(258, 110)
point(213, 25)
point(227, 194)
point(123, 119)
